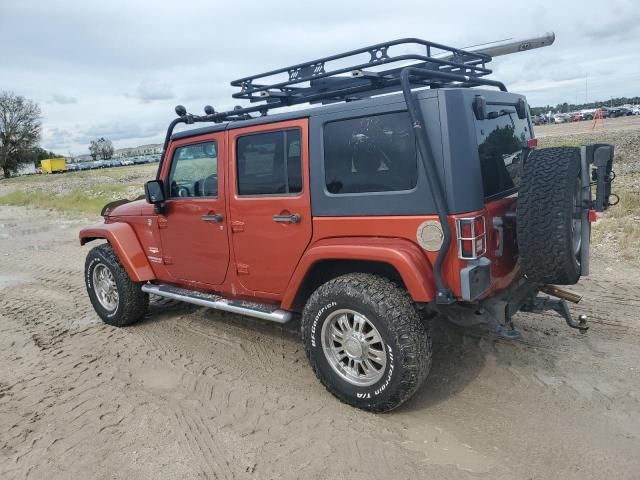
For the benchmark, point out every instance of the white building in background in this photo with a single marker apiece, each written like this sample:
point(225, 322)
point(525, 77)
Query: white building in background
point(151, 149)
point(26, 169)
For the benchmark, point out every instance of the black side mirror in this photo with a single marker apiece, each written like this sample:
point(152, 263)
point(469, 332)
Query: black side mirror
point(154, 192)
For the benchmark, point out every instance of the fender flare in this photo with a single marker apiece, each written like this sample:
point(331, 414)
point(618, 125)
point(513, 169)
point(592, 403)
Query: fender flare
point(406, 257)
point(124, 242)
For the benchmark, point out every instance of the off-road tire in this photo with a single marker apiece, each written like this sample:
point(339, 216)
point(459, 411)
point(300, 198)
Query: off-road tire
point(132, 303)
point(546, 203)
point(393, 313)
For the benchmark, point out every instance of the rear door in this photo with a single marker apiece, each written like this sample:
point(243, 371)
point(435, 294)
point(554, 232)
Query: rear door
point(502, 139)
point(269, 202)
point(193, 228)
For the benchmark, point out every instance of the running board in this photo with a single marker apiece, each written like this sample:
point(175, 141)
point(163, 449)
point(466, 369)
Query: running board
point(250, 309)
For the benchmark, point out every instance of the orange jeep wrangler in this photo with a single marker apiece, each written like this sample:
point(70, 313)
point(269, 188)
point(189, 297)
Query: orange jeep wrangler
point(414, 190)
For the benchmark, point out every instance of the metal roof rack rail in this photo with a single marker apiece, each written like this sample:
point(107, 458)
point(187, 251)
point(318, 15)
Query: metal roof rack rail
point(363, 72)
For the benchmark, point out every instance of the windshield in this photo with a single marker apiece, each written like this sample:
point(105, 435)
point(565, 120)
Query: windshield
point(502, 138)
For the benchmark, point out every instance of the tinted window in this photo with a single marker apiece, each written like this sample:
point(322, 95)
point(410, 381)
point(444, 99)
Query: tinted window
point(370, 154)
point(269, 163)
point(500, 147)
point(194, 171)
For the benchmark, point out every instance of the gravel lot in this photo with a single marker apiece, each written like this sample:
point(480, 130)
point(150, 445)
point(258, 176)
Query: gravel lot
point(194, 393)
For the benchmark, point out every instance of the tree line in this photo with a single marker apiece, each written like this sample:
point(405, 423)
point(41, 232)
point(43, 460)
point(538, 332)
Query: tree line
point(102, 148)
point(574, 107)
point(20, 134)
point(20, 130)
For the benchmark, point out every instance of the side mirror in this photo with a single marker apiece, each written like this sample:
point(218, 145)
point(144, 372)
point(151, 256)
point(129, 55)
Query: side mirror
point(154, 192)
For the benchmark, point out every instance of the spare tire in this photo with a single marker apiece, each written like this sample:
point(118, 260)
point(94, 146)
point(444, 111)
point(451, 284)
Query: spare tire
point(549, 216)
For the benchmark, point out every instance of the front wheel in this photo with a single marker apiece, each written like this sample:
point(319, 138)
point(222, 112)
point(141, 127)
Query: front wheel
point(365, 341)
point(117, 300)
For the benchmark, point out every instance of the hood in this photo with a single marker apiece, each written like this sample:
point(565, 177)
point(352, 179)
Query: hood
point(125, 208)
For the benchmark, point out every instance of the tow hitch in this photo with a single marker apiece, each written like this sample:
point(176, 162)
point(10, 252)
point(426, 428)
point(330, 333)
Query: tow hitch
point(559, 305)
point(498, 312)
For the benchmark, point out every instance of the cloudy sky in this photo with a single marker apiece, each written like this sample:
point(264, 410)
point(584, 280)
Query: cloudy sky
point(117, 68)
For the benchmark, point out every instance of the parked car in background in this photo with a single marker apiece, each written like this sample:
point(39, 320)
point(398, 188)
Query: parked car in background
point(540, 119)
point(587, 114)
point(619, 112)
point(560, 118)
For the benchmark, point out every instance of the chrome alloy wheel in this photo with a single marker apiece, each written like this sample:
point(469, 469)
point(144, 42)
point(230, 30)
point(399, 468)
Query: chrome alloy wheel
point(354, 348)
point(105, 288)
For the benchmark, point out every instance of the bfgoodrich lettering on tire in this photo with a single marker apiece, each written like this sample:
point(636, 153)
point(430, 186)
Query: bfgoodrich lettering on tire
point(365, 341)
point(115, 298)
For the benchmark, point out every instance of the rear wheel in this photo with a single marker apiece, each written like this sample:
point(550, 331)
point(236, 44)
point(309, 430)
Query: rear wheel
point(116, 299)
point(365, 341)
point(549, 225)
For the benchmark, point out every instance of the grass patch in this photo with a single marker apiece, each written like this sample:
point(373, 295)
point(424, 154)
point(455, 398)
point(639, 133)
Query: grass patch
point(88, 201)
point(620, 228)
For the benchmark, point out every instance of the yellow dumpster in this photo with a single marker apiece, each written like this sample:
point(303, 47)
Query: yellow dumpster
point(53, 165)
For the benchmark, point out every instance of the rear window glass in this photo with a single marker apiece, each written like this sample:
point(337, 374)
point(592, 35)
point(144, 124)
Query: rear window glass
point(370, 154)
point(501, 142)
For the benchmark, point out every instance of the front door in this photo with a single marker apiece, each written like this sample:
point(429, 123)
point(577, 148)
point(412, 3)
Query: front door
point(269, 203)
point(193, 229)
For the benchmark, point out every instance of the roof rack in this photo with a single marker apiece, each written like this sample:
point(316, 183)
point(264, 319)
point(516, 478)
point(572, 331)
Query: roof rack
point(363, 72)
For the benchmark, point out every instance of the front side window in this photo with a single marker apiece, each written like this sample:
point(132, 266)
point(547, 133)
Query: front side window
point(194, 171)
point(269, 163)
point(370, 154)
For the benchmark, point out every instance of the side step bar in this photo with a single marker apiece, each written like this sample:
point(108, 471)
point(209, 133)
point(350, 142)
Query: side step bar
point(251, 309)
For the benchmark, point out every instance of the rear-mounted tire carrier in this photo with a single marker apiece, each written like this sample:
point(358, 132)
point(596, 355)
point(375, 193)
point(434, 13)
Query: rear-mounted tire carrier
point(554, 201)
point(549, 200)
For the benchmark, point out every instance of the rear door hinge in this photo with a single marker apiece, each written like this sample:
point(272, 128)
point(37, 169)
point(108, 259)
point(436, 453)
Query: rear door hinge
point(237, 226)
point(163, 222)
point(242, 269)
point(167, 260)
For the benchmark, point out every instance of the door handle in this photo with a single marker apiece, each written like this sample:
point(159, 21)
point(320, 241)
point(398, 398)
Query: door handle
point(293, 218)
point(212, 217)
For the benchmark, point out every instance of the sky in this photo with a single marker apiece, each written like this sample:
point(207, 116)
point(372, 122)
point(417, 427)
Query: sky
point(117, 68)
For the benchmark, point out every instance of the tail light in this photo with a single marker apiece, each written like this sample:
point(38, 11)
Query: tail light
point(472, 237)
point(532, 143)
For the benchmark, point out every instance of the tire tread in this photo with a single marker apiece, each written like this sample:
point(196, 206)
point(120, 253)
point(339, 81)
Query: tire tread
point(545, 209)
point(402, 317)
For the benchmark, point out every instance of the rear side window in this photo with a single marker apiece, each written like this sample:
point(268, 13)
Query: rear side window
point(269, 163)
point(501, 142)
point(370, 154)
